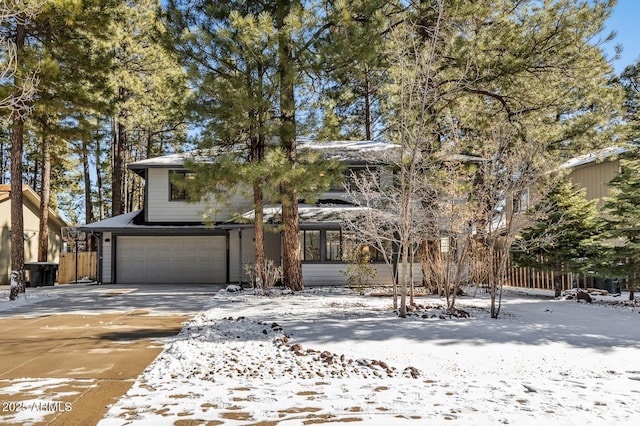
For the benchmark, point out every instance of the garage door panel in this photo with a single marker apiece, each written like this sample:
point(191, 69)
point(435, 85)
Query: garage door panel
point(166, 259)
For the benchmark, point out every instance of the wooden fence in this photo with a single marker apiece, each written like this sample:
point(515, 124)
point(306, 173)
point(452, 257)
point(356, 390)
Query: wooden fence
point(544, 280)
point(87, 266)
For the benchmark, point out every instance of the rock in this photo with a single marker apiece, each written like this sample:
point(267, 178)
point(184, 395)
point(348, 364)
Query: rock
point(583, 295)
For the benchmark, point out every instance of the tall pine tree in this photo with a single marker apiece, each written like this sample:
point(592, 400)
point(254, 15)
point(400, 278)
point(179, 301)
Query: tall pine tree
point(564, 234)
point(249, 61)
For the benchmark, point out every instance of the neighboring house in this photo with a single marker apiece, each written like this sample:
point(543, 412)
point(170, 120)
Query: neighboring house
point(594, 171)
point(31, 214)
point(168, 242)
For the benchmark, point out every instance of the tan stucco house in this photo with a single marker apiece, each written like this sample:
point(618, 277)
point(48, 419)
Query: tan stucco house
point(30, 210)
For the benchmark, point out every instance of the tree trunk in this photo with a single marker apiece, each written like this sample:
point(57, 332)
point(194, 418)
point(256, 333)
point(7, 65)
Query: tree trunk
point(88, 202)
point(17, 220)
point(292, 268)
point(119, 137)
point(45, 195)
point(99, 179)
point(258, 206)
point(367, 107)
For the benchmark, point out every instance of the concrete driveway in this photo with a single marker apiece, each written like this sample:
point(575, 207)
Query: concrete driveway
point(76, 350)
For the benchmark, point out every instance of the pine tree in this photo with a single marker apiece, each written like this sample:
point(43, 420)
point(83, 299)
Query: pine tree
point(248, 61)
point(621, 211)
point(630, 79)
point(150, 95)
point(622, 215)
point(564, 234)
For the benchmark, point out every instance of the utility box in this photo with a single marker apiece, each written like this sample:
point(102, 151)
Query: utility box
point(41, 273)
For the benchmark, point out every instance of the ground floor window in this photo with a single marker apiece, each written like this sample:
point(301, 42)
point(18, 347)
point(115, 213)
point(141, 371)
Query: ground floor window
point(352, 242)
point(331, 245)
point(310, 245)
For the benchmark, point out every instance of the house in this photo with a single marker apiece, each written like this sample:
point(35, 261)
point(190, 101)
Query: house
point(168, 240)
point(593, 172)
point(31, 214)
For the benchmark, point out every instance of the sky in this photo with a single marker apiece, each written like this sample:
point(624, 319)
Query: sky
point(625, 21)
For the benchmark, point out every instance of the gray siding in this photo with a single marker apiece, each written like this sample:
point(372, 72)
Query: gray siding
point(272, 250)
point(107, 245)
point(315, 274)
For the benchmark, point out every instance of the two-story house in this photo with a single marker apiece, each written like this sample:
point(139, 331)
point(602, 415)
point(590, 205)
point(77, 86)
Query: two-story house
point(168, 240)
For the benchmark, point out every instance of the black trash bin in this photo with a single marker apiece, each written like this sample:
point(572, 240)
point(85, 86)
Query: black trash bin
point(41, 273)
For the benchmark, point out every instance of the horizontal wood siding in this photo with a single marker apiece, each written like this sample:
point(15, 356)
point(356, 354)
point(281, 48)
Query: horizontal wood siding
point(161, 210)
point(329, 274)
point(323, 274)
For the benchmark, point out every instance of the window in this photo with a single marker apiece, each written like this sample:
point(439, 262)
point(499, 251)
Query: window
point(333, 246)
point(521, 202)
point(350, 243)
point(310, 245)
point(176, 190)
point(444, 245)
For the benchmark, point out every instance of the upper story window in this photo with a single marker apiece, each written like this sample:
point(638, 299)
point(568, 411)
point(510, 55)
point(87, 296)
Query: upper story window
point(177, 192)
point(521, 202)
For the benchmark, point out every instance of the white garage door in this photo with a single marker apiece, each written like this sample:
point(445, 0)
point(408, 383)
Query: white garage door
point(171, 259)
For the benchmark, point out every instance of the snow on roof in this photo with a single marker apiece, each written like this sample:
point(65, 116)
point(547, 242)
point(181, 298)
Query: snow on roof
point(344, 150)
point(131, 221)
point(171, 160)
point(354, 146)
point(593, 157)
point(121, 221)
point(307, 213)
point(354, 151)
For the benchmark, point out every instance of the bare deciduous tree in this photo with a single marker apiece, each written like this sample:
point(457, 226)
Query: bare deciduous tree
point(16, 13)
point(503, 188)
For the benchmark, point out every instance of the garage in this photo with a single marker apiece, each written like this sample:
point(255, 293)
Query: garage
point(171, 259)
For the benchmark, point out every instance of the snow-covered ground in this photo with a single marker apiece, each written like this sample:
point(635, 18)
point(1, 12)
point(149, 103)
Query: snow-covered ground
point(329, 356)
point(29, 297)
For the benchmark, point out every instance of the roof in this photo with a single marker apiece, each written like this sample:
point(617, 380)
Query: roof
point(121, 221)
point(133, 222)
point(352, 151)
point(32, 197)
point(322, 213)
point(593, 157)
point(355, 151)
